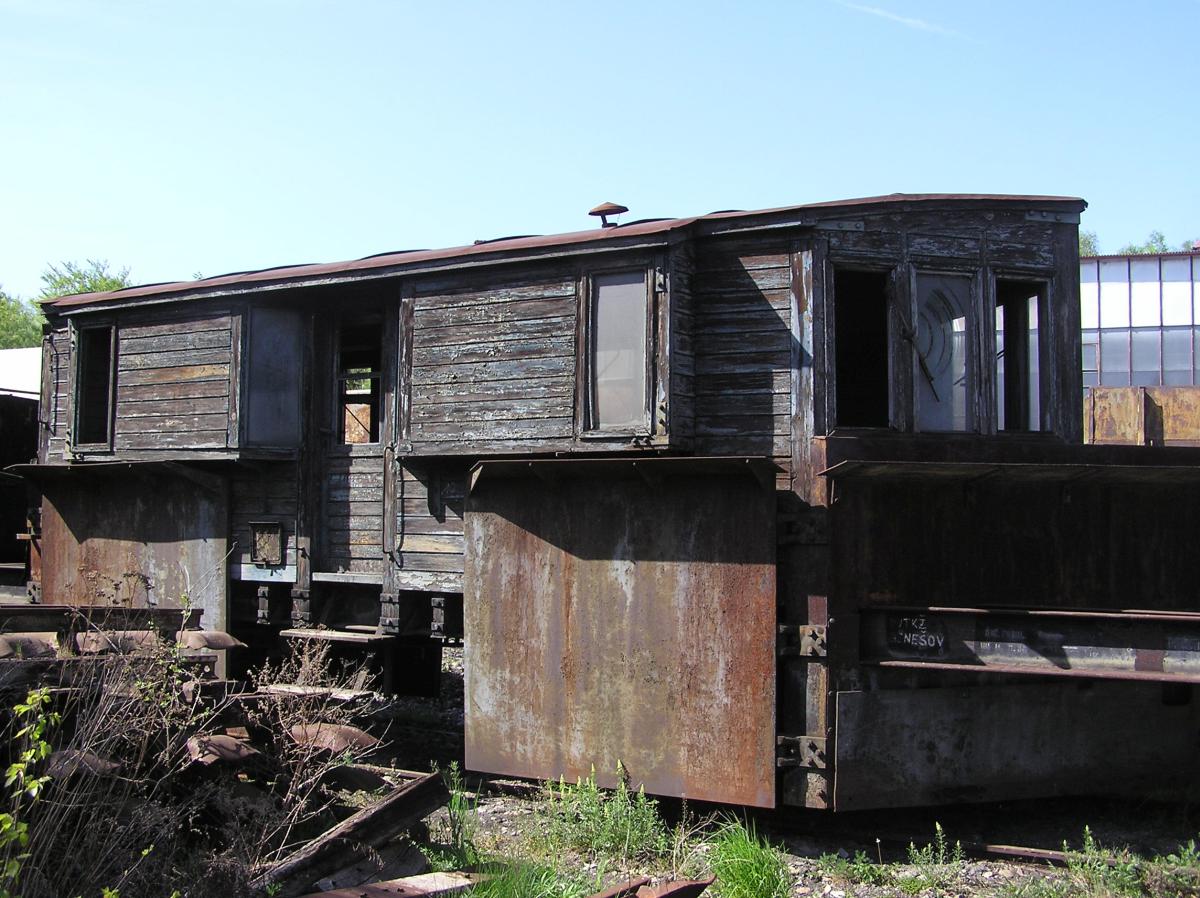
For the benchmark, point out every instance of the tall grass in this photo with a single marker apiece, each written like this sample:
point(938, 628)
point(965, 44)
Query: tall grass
point(747, 866)
point(621, 824)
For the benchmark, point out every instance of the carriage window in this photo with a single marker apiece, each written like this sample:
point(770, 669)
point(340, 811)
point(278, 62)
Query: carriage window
point(1018, 387)
point(94, 386)
point(942, 349)
point(861, 316)
point(360, 372)
point(617, 360)
point(273, 377)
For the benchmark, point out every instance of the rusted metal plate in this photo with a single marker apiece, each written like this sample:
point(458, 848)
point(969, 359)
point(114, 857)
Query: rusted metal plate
point(624, 612)
point(146, 538)
point(909, 747)
point(1148, 416)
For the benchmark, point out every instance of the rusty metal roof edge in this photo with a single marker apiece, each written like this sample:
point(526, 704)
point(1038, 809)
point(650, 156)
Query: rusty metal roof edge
point(513, 250)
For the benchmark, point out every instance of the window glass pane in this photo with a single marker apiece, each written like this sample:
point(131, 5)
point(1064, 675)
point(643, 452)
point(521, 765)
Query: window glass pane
point(1114, 293)
point(1034, 383)
point(1177, 356)
point(1091, 350)
point(1143, 275)
point(1090, 379)
point(1089, 295)
point(619, 341)
point(1114, 358)
point(1145, 349)
point(943, 304)
point(1177, 291)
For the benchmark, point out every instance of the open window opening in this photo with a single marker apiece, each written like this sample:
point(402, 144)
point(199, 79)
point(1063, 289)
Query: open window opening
point(360, 376)
point(1018, 383)
point(94, 386)
point(618, 352)
point(941, 348)
point(861, 348)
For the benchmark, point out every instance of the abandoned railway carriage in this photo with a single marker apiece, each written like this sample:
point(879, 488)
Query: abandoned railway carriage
point(781, 507)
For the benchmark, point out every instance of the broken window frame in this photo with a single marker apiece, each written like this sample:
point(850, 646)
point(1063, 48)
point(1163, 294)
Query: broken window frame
point(888, 272)
point(981, 412)
point(375, 376)
point(80, 379)
point(1041, 287)
point(587, 427)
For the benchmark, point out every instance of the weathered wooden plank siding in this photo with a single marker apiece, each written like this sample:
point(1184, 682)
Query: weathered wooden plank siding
point(58, 414)
point(173, 384)
point(265, 494)
point(682, 395)
point(352, 535)
point(741, 342)
point(429, 526)
point(494, 365)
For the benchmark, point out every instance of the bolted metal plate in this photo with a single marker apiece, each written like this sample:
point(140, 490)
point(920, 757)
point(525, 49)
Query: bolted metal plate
point(624, 613)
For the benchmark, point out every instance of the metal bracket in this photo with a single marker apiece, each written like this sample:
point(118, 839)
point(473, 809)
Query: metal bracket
point(801, 640)
point(801, 751)
point(847, 225)
point(1066, 217)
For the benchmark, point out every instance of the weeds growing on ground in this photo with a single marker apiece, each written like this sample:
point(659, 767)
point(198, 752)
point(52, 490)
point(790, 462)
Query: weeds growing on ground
point(747, 866)
point(1096, 871)
point(621, 824)
point(459, 852)
point(935, 865)
point(529, 881)
point(858, 869)
point(129, 810)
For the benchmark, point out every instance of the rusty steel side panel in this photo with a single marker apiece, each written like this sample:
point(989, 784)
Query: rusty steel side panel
point(1144, 416)
point(910, 747)
point(137, 538)
point(625, 620)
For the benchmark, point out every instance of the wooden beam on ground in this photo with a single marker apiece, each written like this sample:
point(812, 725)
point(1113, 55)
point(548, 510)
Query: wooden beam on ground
point(427, 885)
point(355, 836)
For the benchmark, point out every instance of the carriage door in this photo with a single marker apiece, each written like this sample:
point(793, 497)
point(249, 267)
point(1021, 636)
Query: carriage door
point(357, 436)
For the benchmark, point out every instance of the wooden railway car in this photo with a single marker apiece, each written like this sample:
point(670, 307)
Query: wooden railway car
point(777, 507)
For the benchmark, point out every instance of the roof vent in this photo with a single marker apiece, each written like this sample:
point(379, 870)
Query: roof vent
point(606, 209)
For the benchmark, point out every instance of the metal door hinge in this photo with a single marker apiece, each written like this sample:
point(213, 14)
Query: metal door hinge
point(801, 640)
point(801, 751)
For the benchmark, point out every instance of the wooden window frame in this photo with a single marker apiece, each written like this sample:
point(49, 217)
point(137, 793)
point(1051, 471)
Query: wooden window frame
point(983, 417)
point(76, 334)
point(654, 365)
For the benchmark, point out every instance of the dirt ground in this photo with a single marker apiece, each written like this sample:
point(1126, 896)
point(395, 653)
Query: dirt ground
point(425, 732)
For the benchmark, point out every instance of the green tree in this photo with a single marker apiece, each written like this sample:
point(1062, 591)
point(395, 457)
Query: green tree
point(20, 323)
point(71, 277)
point(1088, 244)
point(1155, 243)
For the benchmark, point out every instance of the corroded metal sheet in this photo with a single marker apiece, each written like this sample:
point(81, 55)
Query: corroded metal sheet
point(909, 747)
point(623, 612)
point(136, 537)
point(1144, 416)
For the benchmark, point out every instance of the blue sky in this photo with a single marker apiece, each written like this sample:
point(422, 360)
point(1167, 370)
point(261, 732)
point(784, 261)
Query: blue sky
point(177, 138)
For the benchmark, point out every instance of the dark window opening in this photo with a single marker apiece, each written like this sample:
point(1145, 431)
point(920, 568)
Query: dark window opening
point(93, 391)
point(861, 322)
point(1018, 384)
point(360, 372)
